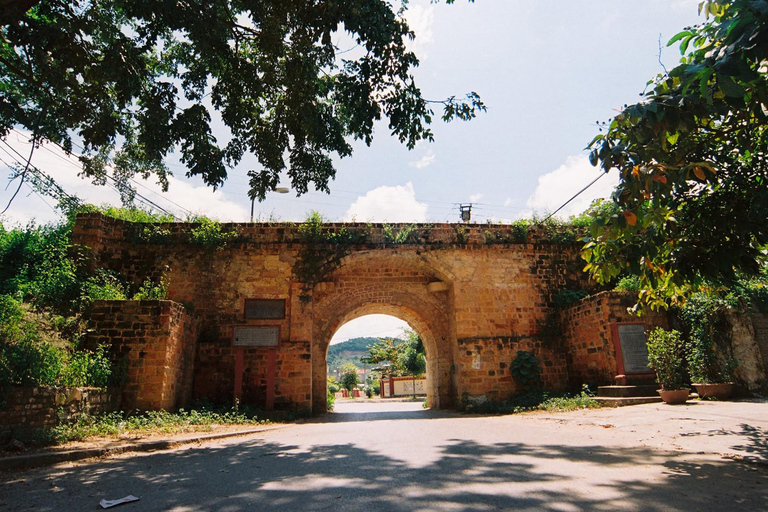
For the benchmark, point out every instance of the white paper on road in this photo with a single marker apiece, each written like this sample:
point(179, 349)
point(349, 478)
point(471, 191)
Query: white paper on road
point(114, 503)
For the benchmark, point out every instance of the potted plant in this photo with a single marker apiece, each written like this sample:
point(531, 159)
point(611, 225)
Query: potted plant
point(665, 357)
point(711, 369)
point(709, 363)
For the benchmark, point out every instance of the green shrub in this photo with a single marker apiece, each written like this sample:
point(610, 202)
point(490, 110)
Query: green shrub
point(526, 370)
point(333, 385)
point(629, 283)
point(706, 348)
point(397, 236)
point(86, 368)
point(209, 233)
point(104, 285)
point(564, 298)
point(666, 357)
point(150, 290)
point(330, 401)
point(519, 231)
point(349, 378)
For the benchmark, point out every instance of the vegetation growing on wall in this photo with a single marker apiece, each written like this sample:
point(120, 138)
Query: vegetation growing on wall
point(35, 352)
point(399, 235)
point(211, 234)
point(45, 286)
point(526, 370)
point(322, 250)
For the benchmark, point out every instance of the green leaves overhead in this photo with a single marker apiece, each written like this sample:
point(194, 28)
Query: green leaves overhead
point(143, 78)
point(692, 199)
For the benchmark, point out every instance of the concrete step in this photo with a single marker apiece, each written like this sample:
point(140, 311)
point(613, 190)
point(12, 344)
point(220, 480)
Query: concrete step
point(627, 400)
point(639, 390)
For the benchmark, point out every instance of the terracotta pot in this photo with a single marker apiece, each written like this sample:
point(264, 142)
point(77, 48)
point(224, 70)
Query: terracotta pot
point(674, 396)
point(718, 390)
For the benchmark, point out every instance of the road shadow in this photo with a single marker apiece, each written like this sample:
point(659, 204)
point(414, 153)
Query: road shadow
point(462, 475)
point(753, 441)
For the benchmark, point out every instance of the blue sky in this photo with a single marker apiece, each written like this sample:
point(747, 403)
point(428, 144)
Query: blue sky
point(547, 72)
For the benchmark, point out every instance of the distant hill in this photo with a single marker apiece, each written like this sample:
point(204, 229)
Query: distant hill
point(349, 351)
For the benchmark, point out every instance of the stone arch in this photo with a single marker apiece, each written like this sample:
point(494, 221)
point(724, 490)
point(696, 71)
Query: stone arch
point(395, 285)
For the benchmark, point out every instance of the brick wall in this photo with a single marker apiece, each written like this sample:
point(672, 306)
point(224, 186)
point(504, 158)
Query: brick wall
point(28, 409)
point(153, 343)
point(587, 334)
point(483, 366)
point(279, 378)
point(451, 283)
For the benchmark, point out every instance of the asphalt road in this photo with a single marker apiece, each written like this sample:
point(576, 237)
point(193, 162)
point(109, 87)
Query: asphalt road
point(396, 456)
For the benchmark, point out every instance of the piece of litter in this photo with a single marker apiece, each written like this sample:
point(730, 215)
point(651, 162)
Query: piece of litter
point(114, 503)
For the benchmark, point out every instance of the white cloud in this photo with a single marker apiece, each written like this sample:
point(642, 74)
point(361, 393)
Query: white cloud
point(508, 202)
point(64, 170)
point(556, 187)
point(388, 204)
point(420, 20)
point(370, 326)
point(425, 161)
point(475, 198)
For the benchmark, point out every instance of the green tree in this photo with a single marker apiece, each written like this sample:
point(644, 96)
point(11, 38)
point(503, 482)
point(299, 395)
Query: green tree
point(413, 363)
point(133, 80)
point(692, 159)
point(387, 350)
point(349, 378)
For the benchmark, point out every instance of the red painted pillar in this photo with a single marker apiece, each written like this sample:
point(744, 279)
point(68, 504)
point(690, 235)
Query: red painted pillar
point(239, 369)
point(271, 378)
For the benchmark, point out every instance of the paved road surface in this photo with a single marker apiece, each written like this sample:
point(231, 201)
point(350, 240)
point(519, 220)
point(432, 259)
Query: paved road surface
point(398, 457)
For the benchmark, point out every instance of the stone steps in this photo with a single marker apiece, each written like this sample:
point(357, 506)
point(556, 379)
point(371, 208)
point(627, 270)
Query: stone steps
point(611, 401)
point(639, 390)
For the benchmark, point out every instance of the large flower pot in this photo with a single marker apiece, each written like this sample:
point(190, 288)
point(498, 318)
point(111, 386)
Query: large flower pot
point(718, 391)
point(674, 396)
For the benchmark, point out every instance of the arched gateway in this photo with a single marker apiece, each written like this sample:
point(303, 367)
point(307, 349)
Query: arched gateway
point(259, 307)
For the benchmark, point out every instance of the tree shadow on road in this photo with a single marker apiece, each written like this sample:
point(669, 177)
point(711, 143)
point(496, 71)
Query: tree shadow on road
point(755, 441)
point(462, 475)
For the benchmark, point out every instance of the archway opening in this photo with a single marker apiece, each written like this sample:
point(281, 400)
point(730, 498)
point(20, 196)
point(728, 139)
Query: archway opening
point(377, 357)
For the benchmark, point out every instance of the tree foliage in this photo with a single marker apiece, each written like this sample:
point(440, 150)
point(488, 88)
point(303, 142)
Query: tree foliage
point(133, 80)
point(692, 158)
point(349, 378)
point(400, 357)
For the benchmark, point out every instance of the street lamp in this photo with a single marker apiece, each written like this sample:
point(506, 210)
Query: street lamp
point(279, 190)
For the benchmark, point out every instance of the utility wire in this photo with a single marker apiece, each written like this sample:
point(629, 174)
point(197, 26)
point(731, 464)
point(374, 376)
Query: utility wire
point(575, 196)
point(143, 199)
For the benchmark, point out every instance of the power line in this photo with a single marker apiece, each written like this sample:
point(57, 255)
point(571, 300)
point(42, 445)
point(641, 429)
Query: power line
point(143, 199)
point(575, 196)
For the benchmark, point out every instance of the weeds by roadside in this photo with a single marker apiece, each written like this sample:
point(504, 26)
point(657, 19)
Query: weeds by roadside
point(120, 424)
point(538, 400)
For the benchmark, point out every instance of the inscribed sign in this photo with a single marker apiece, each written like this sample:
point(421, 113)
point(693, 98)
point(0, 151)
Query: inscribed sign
point(634, 350)
point(268, 336)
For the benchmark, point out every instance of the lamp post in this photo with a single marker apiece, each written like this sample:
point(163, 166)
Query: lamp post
point(279, 190)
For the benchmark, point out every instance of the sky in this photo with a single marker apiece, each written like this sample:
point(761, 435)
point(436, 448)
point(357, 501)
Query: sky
point(548, 71)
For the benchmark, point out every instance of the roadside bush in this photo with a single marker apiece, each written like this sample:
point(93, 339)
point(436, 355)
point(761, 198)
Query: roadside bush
point(86, 368)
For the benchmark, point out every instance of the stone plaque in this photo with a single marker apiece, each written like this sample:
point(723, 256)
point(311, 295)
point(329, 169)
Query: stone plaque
point(264, 309)
point(268, 336)
point(634, 350)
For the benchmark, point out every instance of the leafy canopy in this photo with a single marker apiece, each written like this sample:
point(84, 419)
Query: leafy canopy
point(133, 80)
point(692, 200)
